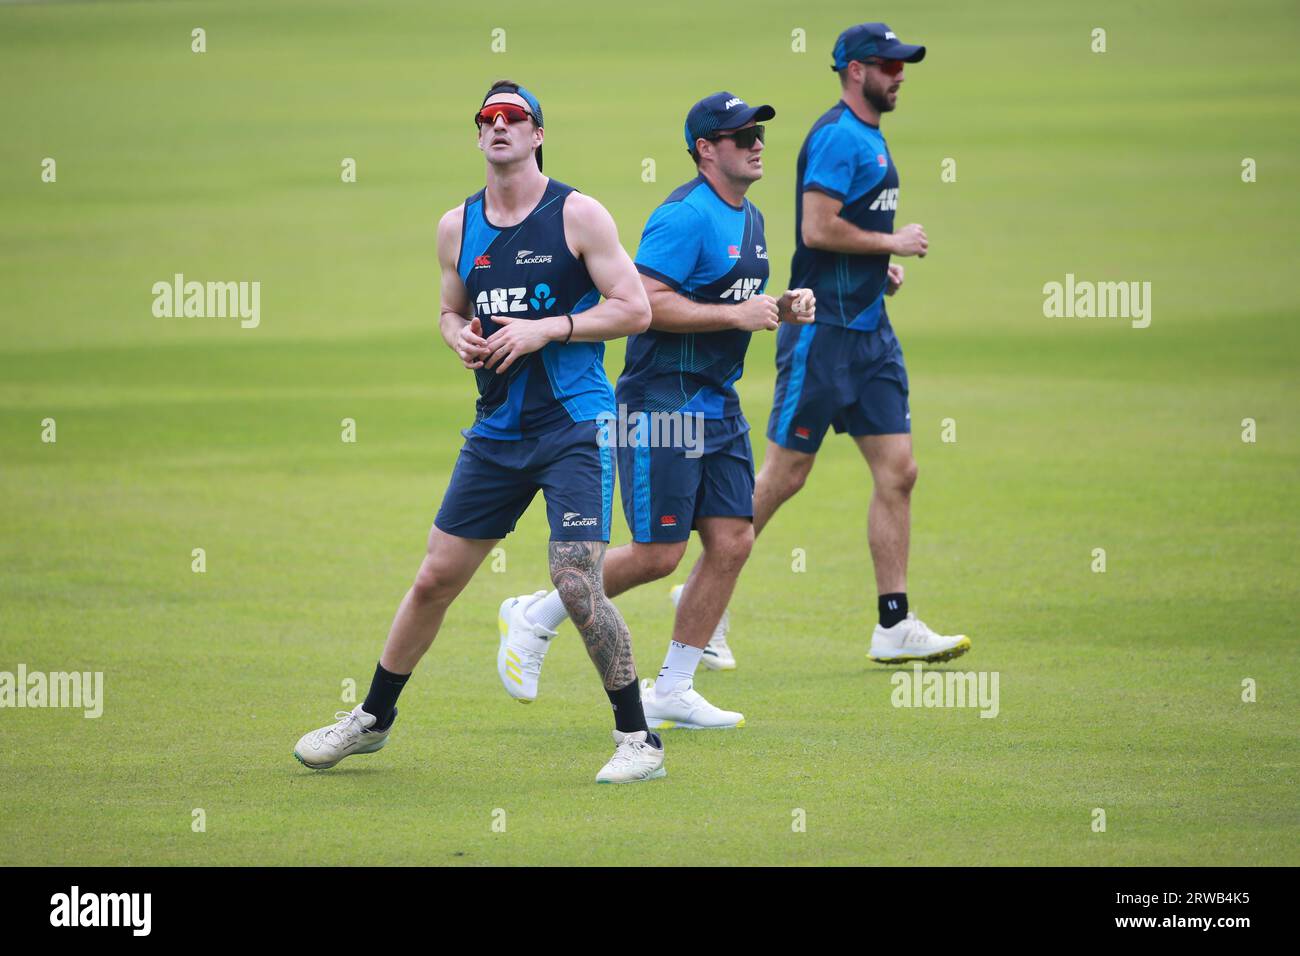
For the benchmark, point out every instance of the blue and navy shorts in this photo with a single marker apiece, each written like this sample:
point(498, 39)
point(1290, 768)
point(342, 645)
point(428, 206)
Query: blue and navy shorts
point(830, 376)
point(666, 490)
point(495, 481)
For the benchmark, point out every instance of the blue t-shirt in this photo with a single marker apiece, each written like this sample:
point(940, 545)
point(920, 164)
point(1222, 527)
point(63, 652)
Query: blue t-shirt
point(709, 251)
point(847, 159)
point(526, 271)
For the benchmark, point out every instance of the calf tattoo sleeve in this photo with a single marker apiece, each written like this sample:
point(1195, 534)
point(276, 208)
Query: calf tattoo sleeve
point(576, 571)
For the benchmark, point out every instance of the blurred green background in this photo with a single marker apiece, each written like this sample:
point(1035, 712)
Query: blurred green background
point(1119, 690)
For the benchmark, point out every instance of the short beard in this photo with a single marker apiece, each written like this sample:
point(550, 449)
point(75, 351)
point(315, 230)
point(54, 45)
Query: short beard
point(877, 100)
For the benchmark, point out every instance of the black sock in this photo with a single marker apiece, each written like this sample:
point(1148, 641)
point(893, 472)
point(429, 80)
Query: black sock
point(385, 687)
point(628, 715)
point(893, 608)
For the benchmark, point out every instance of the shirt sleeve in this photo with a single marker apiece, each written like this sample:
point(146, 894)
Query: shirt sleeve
point(670, 244)
point(832, 161)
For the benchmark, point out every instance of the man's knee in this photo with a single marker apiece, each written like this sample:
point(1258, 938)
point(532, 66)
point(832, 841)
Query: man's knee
point(794, 480)
point(900, 476)
point(661, 559)
point(731, 544)
point(433, 584)
point(787, 477)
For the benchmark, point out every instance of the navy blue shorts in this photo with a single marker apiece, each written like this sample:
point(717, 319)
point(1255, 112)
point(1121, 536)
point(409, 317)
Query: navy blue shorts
point(495, 481)
point(829, 376)
point(665, 490)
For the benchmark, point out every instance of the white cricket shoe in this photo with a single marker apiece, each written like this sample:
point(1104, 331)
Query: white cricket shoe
point(636, 758)
point(523, 646)
point(323, 748)
point(911, 640)
point(717, 653)
point(685, 708)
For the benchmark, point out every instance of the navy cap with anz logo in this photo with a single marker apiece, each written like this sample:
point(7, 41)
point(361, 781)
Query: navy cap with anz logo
point(721, 111)
point(873, 39)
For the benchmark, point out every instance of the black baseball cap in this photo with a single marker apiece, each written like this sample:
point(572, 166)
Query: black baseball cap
point(721, 111)
point(873, 39)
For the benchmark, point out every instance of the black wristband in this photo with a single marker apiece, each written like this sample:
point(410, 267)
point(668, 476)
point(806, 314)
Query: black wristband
point(570, 335)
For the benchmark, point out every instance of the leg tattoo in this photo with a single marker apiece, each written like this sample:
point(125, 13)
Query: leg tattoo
point(576, 571)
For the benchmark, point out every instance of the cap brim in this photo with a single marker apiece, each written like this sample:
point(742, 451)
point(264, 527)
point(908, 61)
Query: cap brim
point(907, 52)
point(759, 114)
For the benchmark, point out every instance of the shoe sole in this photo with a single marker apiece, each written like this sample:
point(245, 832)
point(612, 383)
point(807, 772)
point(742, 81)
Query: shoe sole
point(656, 775)
point(504, 628)
point(374, 748)
point(681, 725)
point(957, 650)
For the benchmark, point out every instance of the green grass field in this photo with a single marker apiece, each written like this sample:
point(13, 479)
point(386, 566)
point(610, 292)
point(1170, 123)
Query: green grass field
point(1120, 691)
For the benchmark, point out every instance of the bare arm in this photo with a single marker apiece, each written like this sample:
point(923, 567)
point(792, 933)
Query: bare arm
point(454, 296)
point(673, 312)
point(822, 227)
point(460, 328)
point(625, 311)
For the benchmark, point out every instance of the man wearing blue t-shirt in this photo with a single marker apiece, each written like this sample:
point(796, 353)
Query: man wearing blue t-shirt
point(846, 371)
point(704, 263)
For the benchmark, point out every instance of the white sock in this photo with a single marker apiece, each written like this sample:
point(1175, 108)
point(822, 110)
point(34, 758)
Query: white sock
point(679, 665)
point(548, 612)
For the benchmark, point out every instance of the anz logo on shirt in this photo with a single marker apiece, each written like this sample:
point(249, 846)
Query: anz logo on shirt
point(887, 201)
point(742, 289)
point(501, 301)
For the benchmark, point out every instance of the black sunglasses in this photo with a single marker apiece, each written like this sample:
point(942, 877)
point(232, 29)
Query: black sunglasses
point(743, 138)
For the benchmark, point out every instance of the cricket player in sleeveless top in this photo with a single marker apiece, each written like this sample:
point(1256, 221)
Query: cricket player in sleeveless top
point(846, 370)
point(525, 263)
point(704, 262)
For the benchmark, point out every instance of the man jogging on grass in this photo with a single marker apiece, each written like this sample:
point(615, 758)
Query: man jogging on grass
point(525, 262)
point(846, 371)
point(704, 262)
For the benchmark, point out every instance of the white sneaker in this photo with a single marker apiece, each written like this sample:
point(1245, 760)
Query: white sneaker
point(717, 653)
point(685, 708)
point(635, 759)
point(911, 640)
point(323, 748)
point(523, 646)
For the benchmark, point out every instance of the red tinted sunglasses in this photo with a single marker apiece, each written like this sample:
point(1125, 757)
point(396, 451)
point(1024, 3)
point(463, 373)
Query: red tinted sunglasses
point(512, 113)
point(888, 67)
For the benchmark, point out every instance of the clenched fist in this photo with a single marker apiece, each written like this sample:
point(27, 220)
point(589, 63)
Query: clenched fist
point(798, 306)
point(911, 241)
point(758, 313)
